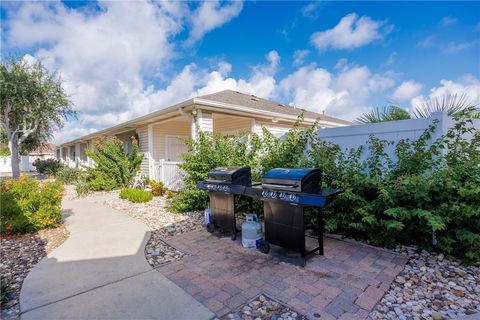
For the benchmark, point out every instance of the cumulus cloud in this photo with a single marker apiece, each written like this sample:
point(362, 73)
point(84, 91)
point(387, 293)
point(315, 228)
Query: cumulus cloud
point(344, 94)
point(407, 90)
point(105, 56)
point(351, 32)
point(210, 15)
point(467, 84)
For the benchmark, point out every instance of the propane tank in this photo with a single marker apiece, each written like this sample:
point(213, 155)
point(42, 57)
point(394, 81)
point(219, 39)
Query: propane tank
point(251, 232)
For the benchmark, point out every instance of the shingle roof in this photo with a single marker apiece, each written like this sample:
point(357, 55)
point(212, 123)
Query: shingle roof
point(254, 102)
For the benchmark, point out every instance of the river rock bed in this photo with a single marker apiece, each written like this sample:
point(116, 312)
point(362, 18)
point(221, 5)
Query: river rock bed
point(431, 286)
point(20, 253)
point(264, 308)
point(163, 224)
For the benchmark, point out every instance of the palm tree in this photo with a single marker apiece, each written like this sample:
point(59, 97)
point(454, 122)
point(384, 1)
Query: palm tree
point(452, 104)
point(386, 113)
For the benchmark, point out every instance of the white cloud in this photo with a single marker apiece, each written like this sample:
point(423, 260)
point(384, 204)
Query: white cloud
point(104, 56)
point(311, 10)
point(467, 84)
point(407, 90)
point(392, 58)
point(454, 47)
point(344, 94)
point(351, 32)
point(448, 21)
point(210, 15)
point(427, 42)
point(299, 56)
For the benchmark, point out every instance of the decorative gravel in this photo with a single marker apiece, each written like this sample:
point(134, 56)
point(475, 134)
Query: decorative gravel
point(163, 224)
point(431, 286)
point(263, 308)
point(20, 253)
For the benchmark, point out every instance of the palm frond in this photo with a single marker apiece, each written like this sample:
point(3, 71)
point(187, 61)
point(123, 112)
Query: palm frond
point(385, 113)
point(452, 104)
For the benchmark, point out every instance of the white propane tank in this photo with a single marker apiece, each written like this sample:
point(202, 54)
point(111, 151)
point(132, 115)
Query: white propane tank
point(251, 232)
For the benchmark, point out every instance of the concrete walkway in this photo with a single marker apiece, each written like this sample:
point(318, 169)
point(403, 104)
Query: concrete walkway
point(100, 272)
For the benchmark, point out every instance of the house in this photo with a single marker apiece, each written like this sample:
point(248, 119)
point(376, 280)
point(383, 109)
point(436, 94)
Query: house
point(226, 112)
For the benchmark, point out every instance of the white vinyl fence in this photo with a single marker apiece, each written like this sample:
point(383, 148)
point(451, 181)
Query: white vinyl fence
point(169, 173)
point(25, 164)
point(356, 135)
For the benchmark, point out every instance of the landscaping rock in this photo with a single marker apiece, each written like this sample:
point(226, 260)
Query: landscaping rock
point(264, 308)
point(431, 286)
point(19, 254)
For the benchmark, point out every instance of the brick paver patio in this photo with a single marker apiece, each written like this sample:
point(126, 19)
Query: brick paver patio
point(345, 283)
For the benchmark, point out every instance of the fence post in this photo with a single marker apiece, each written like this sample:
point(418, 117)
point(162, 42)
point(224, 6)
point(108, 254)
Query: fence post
point(162, 170)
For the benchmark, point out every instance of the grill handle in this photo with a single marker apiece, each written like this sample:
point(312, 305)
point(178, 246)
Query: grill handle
point(272, 185)
point(216, 181)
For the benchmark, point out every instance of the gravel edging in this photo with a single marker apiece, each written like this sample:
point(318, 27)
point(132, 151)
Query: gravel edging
point(20, 253)
point(264, 307)
point(431, 286)
point(163, 225)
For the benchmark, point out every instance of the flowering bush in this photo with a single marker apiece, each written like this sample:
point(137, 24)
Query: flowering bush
point(157, 188)
point(48, 166)
point(29, 205)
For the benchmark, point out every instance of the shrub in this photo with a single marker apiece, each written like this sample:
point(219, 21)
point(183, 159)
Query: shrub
point(48, 166)
point(136, 195)
point(188, 200)
point(157, 188)
point(69, 175)
point(5, 291)
point(427, 195)
point(114, 168)
point(28, 205)
point(82, 187)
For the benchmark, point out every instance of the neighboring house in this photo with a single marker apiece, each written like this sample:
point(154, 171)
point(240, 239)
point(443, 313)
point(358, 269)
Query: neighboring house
point(226, 112)
point(45, 152)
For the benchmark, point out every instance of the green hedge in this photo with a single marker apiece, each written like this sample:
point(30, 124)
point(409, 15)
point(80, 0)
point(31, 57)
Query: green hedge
point(428, 194)
point(29, 205)
point(136, 195)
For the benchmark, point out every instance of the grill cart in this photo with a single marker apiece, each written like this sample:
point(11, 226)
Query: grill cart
point(223, 184)
point(286, 194)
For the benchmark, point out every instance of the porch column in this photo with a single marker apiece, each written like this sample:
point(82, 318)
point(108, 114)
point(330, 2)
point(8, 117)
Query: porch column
point(77, 155)
point(151, 161)
point(60, 154)
point(201, 121)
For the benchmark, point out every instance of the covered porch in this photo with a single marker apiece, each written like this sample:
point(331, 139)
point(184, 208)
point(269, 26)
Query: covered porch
point(166, 141)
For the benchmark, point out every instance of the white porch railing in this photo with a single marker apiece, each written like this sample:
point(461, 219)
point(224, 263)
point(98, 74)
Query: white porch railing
point(169, 173)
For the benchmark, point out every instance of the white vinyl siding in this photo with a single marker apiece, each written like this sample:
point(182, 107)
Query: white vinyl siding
point(174, 128)
point(225, 125)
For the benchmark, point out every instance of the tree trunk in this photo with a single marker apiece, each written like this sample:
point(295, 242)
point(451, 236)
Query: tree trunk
point(13, 146)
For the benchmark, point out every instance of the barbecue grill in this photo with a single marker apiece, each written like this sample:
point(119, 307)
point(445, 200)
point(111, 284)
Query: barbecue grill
point(223, 184)
point(286, 194)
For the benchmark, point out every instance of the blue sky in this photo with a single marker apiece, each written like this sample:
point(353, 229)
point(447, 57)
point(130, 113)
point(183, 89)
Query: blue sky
point(120, 60)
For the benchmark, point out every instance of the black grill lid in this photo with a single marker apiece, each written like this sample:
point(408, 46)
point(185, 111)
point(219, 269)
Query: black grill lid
point(231, 175)
point(299, 180)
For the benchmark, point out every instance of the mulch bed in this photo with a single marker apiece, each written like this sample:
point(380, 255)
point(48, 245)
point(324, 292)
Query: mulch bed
point(20, 253)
